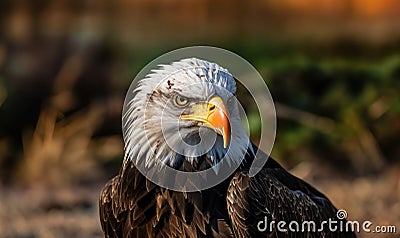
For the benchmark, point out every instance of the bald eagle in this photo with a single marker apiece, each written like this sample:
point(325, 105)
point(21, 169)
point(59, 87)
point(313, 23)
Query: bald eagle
point(198, 95)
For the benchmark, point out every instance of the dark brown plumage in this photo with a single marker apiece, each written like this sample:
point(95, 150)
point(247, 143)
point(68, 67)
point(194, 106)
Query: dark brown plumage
point(132, 206)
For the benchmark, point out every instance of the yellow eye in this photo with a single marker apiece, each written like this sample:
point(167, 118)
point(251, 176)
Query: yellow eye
point(180, 101)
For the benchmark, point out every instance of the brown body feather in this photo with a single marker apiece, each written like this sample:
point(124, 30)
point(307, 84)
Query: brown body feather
point(132, 206)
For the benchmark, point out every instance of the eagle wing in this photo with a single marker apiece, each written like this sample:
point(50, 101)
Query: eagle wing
point(276, 195)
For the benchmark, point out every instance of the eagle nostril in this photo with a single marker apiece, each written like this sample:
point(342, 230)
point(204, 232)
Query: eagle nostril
point(211, 107)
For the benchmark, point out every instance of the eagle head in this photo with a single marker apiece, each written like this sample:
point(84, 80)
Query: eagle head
point(184, 111)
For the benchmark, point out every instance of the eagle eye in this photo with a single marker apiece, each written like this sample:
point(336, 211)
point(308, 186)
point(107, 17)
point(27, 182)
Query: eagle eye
point(180, 101)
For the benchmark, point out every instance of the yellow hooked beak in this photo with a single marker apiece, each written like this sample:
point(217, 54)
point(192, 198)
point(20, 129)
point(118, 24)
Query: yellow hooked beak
point(212, 114)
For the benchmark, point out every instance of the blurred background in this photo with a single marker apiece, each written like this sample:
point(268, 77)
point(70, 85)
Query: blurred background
point(333, 69)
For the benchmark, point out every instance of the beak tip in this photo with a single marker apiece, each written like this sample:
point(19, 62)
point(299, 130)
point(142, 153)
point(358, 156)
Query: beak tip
point(225, 137)
point(225, 145)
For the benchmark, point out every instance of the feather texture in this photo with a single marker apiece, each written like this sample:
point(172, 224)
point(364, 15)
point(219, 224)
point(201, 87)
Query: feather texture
point(131, 206)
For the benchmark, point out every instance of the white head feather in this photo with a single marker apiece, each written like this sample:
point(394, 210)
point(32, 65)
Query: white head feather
point(197, 79)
